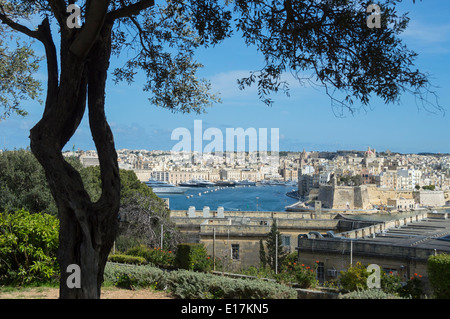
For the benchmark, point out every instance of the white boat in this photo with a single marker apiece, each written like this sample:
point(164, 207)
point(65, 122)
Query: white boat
point(197, 183)
point(203, 183)
point(188, 184)
point(161, 187)
point(245, 182)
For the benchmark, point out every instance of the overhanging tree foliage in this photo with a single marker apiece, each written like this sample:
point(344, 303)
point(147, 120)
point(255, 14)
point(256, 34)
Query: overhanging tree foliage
point(329, 39)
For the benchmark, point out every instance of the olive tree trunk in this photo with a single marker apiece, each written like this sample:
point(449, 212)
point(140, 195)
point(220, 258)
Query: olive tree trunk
point(87, 229)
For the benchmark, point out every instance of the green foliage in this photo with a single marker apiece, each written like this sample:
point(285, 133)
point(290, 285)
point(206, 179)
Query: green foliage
point(355, 278)
point(259, 272)
point(127, 259)
point(193, 257)
point(429, 187)
point(390, 283)
point(413, 288)
point(344, 53)
point(369, 294)
point(438, 269)
point(129, 183)
point(132, 277)
point(17, 66)
point(291, 273)
point(23, 184)
point(305, 276)
point(194, 285)
point(186, 284)
point(155, 256)
point(142, 217)
point(274, 251)
point(28, 244)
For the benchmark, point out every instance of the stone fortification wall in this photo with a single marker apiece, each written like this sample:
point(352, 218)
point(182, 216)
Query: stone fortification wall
point(429, 198)
point(344, 197)
point(365, 196)
point(380, 196)
point(326, 196)
point(362, 199)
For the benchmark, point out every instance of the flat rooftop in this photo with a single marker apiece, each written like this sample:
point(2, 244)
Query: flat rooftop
point(429, 233)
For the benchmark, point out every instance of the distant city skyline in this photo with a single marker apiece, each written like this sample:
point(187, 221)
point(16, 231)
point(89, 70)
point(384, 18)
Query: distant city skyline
point(305, 119)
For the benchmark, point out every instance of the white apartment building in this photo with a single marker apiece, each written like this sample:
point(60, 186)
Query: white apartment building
point(408, 178)
point(400, 179)
point(324, 178)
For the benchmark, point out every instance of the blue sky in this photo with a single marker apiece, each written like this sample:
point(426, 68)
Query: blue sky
point(305, 119)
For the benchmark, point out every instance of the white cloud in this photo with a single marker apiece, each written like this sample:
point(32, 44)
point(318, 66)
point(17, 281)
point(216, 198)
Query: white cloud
point(428, 38)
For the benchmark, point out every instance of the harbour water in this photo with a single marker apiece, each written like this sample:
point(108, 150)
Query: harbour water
point(244, 198)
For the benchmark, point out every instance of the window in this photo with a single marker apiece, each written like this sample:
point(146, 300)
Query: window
point(320, 271)
point(235, 251)
point(286, 242)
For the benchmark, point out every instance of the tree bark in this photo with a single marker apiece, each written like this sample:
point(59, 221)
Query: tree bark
point(87, 229)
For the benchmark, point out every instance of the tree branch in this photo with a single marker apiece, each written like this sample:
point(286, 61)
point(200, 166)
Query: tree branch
point(45, 37)
point(95, 18)
point(17, 26)
point(59, 10)
point(132, 9)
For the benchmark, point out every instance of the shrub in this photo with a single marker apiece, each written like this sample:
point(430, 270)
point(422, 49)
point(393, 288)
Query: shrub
point(132, 277)
point(355, 278)
point(439, 275)
point(126, 259)
point(369, 294)
point(390, 283)
point(193, 257)
point(194, 285)
point(413, 288)
point(155, 256)
point(28, 244)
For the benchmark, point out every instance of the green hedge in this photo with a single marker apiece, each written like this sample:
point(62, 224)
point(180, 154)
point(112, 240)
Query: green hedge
point(126, 259)
point(439, 275)
point(193, 257)
point(193, 285)
point(155, 256)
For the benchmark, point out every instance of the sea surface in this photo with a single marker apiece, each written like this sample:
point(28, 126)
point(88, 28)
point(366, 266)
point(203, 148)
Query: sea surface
point(243, 198)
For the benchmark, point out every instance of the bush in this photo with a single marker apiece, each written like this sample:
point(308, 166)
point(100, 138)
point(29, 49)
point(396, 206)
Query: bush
point(132, 277)
point(369, 294)
point(194, 285)
point(193, 257)
point(28, 244)
point(126, 259)
point(413, 288)
point(155, 256)
point(304, 276)
point(355, 278)
point(290, 272)
point(439, 275)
